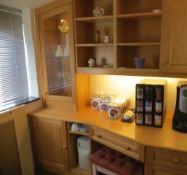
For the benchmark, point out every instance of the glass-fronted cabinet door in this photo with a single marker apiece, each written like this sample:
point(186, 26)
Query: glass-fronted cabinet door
point(56, 41)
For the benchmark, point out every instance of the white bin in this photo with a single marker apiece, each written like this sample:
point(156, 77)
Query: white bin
point(83, 152)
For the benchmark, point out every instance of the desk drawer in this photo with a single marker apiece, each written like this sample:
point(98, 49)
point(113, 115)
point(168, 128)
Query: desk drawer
point(119, 143)
point(167, 158)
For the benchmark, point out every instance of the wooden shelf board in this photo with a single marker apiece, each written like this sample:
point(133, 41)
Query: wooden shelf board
point(140, 15)
point(79, 133)
point(78, 171)
point(91, 19)
point(139, 44)
point(95, 70)
point(94, 45)
point(121, 71)
point(139, 70)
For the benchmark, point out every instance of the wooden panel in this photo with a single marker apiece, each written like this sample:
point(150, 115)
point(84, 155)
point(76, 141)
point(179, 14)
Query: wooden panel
point(166, 158)
point(83, 91)
point(50, 144)
point(119, 143)
point(156, 170)
point(174, 36)
point(9, 156)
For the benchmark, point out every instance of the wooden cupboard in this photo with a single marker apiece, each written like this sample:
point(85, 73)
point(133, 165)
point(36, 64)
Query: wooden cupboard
point(49, 141)
point(156, 170)
point(174, 36)
point(55, 48)
point(165, 162)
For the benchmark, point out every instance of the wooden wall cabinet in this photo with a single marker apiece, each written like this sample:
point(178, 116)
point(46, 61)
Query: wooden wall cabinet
point(55, 46)
point(174, 36)
point(165, 162)
point(134, 29)
point(50, 147)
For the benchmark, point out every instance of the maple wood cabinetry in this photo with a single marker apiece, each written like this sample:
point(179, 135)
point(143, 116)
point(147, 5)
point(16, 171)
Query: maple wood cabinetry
point(173, 50)
point(49, 140)
point(134, 30)
point(54, 34)
point(88, 45)
point(165, 162)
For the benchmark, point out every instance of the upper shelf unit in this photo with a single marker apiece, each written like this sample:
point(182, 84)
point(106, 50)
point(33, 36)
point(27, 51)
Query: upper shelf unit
point(133, 29)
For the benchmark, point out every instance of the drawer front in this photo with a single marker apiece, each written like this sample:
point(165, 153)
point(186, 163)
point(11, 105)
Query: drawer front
point(119, 143)
point(167, 158)
point(156, 170)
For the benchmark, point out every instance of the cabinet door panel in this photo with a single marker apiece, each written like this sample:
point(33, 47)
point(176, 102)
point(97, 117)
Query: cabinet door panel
point(50, 144)
point(55, 39)
point(156, 170)
point(174, 36)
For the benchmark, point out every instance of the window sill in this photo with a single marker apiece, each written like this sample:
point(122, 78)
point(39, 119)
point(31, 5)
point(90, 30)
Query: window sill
point(17, 104)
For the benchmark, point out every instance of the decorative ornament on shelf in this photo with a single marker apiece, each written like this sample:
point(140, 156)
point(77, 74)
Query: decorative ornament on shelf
point(59, 51)
point(63, 51)
point(63, 26)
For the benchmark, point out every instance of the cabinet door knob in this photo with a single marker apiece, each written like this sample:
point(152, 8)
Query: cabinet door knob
point(176, 161)
point(64, 147)
point(166, 62)
point(100, 136)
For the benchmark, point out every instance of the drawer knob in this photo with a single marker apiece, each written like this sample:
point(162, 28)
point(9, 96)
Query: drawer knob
point(128, 148)
point(176, 161)
point(100, 136)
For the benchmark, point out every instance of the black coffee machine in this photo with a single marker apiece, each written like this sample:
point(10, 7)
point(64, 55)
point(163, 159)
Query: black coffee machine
point(180, 116)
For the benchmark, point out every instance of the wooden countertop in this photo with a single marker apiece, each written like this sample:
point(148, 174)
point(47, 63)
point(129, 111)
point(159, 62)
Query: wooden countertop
point(164, 137)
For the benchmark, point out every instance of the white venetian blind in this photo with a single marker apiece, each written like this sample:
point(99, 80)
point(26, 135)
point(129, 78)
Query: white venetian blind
point(13, 71)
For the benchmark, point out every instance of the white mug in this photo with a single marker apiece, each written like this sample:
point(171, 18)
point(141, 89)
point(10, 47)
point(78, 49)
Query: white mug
point(106, 39)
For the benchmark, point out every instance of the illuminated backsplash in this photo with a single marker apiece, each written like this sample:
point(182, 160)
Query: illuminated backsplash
point(125, 86)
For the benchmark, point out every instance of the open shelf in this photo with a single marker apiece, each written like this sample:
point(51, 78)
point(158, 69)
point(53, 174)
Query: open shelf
point(79, 133)
point(78, 171)
point(85, 8)
point(103, 55)
point(139, 44)
point(93, 19)
point(126, 55)
point(86, 32)
point(94, 45)
point(138, 30)
point(137, 6)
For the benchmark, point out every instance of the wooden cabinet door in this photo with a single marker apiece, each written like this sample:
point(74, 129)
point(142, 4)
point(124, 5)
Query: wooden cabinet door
point(174, 36)
point(55, 41)
point(50, 144)
point(156, 170)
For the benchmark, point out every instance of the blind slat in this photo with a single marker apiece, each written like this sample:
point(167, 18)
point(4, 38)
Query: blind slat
point(13, 71)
